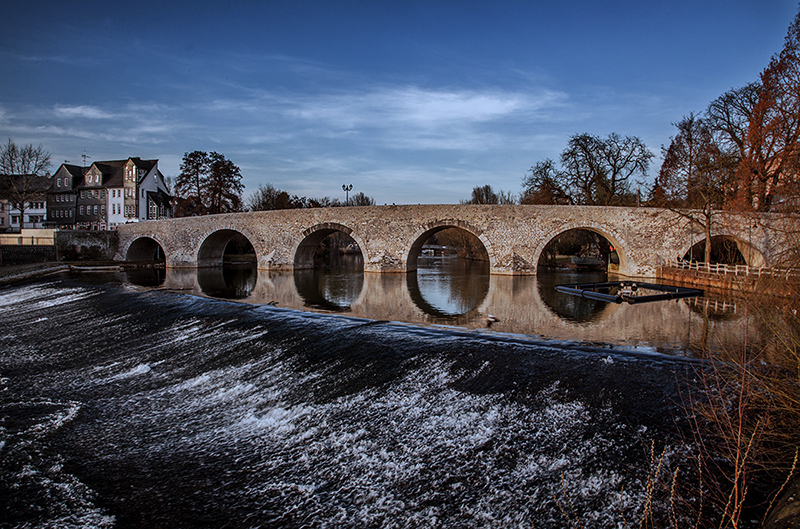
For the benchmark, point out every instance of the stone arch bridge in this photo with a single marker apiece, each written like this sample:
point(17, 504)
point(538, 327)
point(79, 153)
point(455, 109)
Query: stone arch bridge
point(390, 237)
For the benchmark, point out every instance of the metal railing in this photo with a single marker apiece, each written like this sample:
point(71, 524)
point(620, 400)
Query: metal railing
point(787, 274)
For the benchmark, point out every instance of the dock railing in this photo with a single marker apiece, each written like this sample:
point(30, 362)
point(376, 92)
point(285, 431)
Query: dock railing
point(787, 274)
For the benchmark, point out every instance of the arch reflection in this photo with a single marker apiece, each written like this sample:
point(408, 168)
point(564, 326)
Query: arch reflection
point(146, 277)
point(228, 265)
point(571, 308)
point(448, 287)
point(227, 282)
point(334, 286)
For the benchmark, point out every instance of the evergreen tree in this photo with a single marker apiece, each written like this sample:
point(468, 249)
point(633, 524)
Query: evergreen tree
point(208, 183)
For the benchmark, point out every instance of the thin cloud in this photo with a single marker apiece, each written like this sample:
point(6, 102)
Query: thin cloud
point(416, 107)
point(82, 111)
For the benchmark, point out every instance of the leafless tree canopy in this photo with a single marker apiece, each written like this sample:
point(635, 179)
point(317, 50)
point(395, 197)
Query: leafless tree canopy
point(23, 175)
point(593, 171)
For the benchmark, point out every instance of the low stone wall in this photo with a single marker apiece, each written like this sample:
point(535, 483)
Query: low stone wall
point(742, 283)
point(86, 245)
point(69, 246)
point(12, 254)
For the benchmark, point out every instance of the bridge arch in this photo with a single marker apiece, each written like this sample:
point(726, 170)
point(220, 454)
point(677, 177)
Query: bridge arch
point(621, 246)
point(145, 249)
point(313, 236)
point(432, 228)
point(751, 254)
point(212, 248)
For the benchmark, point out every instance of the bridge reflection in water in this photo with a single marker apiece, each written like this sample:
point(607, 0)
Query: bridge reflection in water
point(462, 293)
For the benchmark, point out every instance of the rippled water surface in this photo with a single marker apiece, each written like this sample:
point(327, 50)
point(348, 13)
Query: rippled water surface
point(127, 406)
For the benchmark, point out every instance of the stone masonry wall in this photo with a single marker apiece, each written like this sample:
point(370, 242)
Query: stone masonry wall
point(514, 236)
point(11, 254)
point(86, 245)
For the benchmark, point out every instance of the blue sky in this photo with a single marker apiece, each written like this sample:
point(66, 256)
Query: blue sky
point(410, 102)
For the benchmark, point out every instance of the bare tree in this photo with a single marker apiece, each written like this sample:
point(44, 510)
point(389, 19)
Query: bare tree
point(486, 195)
point(24, 175)
point(545, 184)
point(267, 197)
point(695, 177)
point(624, 158)
point(769, 167)
point(360, 199)
point(728, 117)
point(594, 171)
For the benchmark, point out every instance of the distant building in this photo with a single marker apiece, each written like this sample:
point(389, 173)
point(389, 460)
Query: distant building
point(107, 194)
point(24, 201)
point(5, 207)
point(34, 216)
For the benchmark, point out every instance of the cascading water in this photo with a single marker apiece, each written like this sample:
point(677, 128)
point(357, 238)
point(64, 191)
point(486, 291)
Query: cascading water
point(129, 407)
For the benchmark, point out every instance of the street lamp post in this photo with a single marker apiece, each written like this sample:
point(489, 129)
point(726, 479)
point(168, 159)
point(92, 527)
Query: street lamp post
point(347, 189)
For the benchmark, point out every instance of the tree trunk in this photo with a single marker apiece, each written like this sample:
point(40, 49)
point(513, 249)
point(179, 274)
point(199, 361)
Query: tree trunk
point(707, 255)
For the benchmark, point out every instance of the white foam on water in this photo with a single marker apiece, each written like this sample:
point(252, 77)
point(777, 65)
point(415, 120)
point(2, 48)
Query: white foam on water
point(411, 451)
point(374, 445)
point(141, 369)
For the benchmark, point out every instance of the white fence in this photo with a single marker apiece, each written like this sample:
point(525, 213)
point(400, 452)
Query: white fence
point(787, 274)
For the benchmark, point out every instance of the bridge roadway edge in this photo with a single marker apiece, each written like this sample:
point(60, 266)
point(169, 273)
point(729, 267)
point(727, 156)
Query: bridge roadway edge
point(514, 235)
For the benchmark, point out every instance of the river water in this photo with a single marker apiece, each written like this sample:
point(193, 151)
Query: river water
point(145, 400)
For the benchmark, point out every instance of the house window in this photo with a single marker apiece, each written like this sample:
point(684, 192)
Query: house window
point(81, 210)
point(102, 210)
